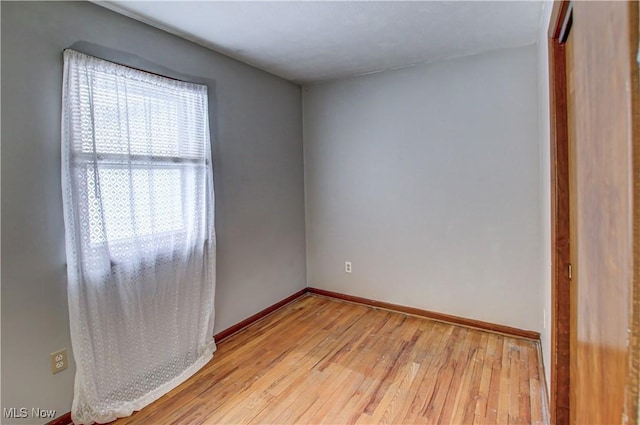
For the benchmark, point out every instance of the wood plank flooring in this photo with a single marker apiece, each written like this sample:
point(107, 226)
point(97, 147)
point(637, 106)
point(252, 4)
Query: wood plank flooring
point(324, 361)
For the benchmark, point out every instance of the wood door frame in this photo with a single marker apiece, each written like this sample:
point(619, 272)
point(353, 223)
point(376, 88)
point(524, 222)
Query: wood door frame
point(633, 380)
point(559, 392)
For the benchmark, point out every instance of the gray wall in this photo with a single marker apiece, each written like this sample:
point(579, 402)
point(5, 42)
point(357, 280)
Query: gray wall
point(258, 166)
point(544, 123)
point(427, 179)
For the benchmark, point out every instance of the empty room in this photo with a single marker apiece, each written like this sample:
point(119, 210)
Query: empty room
point(320, 212)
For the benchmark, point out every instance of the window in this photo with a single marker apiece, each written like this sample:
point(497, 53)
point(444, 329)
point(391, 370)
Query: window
point(141, 155)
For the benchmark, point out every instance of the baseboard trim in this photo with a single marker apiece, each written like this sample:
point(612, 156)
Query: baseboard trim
point(456, 320)
point(62, 420)
point(222, 335)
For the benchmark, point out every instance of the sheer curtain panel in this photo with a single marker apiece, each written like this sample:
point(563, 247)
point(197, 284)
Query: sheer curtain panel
point(138, 206)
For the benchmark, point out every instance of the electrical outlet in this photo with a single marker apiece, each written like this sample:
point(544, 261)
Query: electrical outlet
point(347, 266)
point(59, 361)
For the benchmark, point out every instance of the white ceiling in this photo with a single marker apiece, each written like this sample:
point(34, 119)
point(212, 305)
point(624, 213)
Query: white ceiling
point(309, 41)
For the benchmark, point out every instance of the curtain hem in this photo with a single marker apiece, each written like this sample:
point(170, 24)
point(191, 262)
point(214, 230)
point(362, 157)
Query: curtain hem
point(128, 408)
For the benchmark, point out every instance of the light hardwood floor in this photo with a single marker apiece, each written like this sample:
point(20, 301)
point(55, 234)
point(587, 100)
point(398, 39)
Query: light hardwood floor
point(319, 360)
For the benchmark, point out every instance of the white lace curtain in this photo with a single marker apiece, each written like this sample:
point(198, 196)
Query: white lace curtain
point(138, 207)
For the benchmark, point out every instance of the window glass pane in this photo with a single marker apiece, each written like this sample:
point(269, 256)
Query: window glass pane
point(135, 203)
point(135, 117)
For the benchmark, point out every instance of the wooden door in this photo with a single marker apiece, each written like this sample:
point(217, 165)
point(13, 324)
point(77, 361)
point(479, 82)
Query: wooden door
point(599, 47)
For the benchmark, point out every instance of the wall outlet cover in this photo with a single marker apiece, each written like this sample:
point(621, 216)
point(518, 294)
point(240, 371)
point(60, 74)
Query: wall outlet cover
point(59, 361)
point(347, 266)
